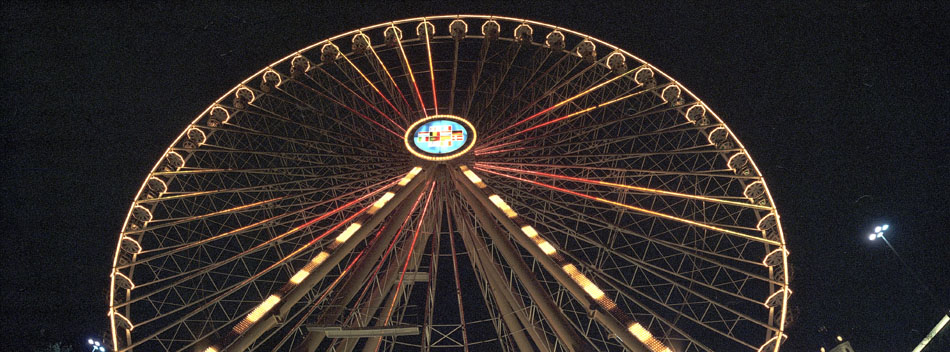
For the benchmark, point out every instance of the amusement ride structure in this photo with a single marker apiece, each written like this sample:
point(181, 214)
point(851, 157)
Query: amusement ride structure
point(453, 183)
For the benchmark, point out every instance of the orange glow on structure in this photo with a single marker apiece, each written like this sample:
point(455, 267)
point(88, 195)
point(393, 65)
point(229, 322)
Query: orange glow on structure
point(412, 76)
point(635, 188)
point(435, 99)
point(561, 103)
point(370, 82)
point(638, 209)
point(647, 338)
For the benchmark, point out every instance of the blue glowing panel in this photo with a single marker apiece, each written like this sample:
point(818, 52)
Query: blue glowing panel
point(440, 136)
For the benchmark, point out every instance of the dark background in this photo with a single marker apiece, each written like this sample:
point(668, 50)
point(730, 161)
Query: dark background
point(845, 107)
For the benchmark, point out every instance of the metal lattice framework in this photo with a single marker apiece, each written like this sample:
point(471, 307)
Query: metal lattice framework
point(603, 207)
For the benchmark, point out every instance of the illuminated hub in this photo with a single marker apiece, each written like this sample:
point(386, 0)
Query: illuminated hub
point(440, 137)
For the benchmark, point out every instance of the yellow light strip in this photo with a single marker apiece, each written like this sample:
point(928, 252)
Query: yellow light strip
point(412, 76)
point(435, 99)
point(547, 248)
point(211, 349)
point(241, 207)
point(374, 87)
point(775, 342)
point(412, 173)
point(642, 210)
point(474, 178)
point(262, 309)
point(303, 273)
point(379, 204)
point(779, 250)
point(635, 188)
point(128, 322)
point(391, 79)
point(584, 282)
point(126, 278)
point(783, 291)
point(647, 338)
point(345, 235)
point(299, 276)
point(529, 231)
point(691, 222)
point(500, 203)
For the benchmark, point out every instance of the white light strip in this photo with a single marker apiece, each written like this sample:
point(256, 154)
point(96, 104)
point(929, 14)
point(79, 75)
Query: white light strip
point(932, 334)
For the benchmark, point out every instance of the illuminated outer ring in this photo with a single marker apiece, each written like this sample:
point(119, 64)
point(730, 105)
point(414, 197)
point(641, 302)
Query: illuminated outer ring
point(469, 143)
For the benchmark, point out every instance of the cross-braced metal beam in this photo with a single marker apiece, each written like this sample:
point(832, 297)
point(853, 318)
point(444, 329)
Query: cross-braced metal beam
point(264, 317)
point(630, 333)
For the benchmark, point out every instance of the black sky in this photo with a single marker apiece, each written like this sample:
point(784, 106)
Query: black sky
point(845, 108)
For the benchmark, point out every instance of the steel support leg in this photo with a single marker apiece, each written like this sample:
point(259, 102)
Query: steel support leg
point(566, 333)
point(507, 305)
point(358, 276)
point(368, 222)
point(603, 317)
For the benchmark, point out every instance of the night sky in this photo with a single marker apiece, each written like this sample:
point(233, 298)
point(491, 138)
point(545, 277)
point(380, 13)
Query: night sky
point(844, 107)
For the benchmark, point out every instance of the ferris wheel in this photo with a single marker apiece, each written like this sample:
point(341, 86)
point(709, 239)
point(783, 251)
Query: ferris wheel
point(456, 183)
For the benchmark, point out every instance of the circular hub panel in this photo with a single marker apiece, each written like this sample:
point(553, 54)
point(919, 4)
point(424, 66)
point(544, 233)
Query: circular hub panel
point(440, 137)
